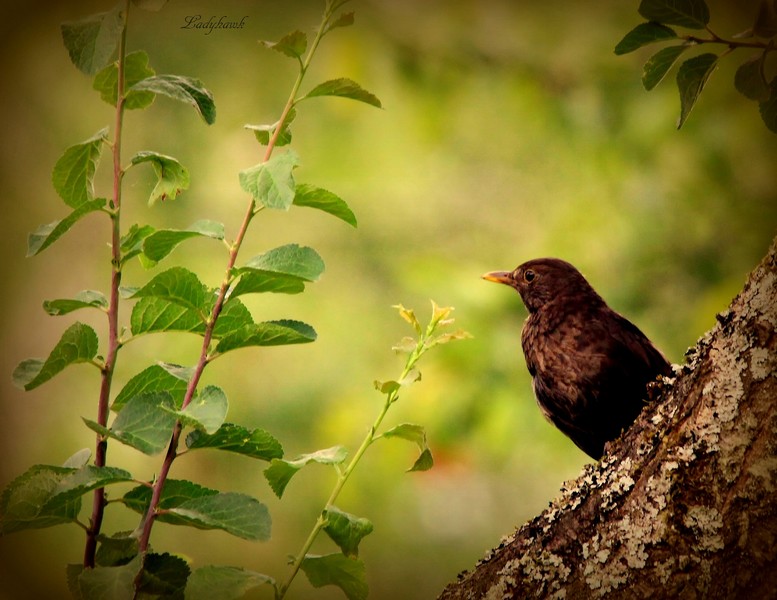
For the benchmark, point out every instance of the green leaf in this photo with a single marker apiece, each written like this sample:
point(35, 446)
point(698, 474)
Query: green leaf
point(78, 344)
point(267, 333)
point(117, 549)
point(768, 108)
point(182, 373)
point(206, 411)
point(346, 573)
point(416, 434)
point(172, 177)
point(271, 183)
point(135, 69)
point(144, 422)
point(73, 174)
point(160, 243)
point(150, 380)
point(281, 270)
point(292, 44)
point(179, 286)
point(24, 502)
point(691, 79)
point(110, 583)
point(83, 480)
point(163, 576)
point(264, 133)
point(642, 35)
point(693, 14)
point(84, 299)
point(213, 582)
point(345, 88)
point(344, 20)
point(79, 459)
point(151, 315)
point(184, 89)
point(237, 514)
point(175, 493)
point(658, 65)
point(346, 530)
point(254, 443)
point(750, 80)
point(315, 197)
point(280, 471)
point(92, 41)
point(132, 242)
point(47, 234)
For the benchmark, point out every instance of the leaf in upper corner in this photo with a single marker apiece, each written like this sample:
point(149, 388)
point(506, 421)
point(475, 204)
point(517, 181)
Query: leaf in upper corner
point(344, 20)
point(280, 471)
point(47, 234)
point(267, 333)
point(172, 176)
point(768, 108)
point(135, 69)
point(92, 41)
point(83, 480)
point(254, 443)
point(346, 530)
point(344, 88)
point(416, 434)
point(184, 89)
point(691, 79)
point(84, 299)
point(162, 242)
point(271, 183)
point(324, 200)
point(73, 173)
point(658, 65)
point(346, 573)
point(206, 411)
point(642, 35)
point(214, 582)
point(750, 80)
point(693, 14)
point(151, 379)
point(292, 44)
point(78, 344)
point(281, 270)
point(177, 285)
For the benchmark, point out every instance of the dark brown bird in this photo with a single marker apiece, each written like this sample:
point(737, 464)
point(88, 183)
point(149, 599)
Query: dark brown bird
point(589, 365)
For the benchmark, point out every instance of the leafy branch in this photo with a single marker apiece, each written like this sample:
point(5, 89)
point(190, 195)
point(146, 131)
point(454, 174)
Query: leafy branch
point(753, 78)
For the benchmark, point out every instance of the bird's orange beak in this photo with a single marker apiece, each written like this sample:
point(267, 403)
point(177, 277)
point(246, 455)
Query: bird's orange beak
point(499, 277)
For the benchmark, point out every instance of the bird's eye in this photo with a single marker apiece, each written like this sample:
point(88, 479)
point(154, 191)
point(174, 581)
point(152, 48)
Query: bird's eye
point(529, 276)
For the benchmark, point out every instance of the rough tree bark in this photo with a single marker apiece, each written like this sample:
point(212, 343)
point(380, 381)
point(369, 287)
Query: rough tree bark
point(684, 504)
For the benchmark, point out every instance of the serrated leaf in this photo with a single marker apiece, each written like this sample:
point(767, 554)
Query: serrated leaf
point(144, 422)
point(324, 200)
point(750, 80)
point(79, 459)
point(47, 234)
point(346, 573)
point(83, 480)
point(84, 299)
point(78, 344)
point(344, 88)
point(271, 184)
point(213, 582)
point(346, 530)
point(237, 514)
point(175, 493)
point(416, 434)
point(73, 173)
point(280, 471)
point(206, 411)
point(151, 315)
point(267, 333)
point(23, 503)
point(163, 576)
point(117, 549)
point(344, 20)
point(179, 286)
point(768, 108)
point(658, 65)
point(114, 583)
point(172, 176)
point(642, 35)
point(292, 44)
point(281, 270)
point(91, 42)
point(160, 243)
point(691, 79)
point(693, 14)
point(135, 69)
point(131, 243)
point(148, 381)
point(254, 443)
point(184, 89)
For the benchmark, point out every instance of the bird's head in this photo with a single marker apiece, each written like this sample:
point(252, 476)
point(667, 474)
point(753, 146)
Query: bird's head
point(544, 280)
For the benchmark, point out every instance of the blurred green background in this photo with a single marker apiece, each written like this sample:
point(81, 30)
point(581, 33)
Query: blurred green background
point(510, 131)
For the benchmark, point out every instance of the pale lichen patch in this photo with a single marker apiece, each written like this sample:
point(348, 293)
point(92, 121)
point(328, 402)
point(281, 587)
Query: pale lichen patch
point(764, 302)
point(766, 469)
point(762, 363)
point(706, 523)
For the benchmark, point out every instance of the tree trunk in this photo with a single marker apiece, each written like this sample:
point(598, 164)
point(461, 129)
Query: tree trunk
point(684, 504)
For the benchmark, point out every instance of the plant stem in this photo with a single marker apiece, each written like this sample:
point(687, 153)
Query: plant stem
point(101, 449)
